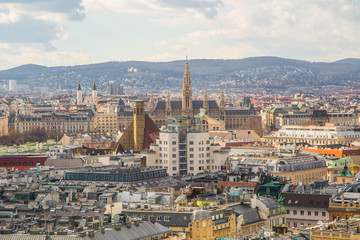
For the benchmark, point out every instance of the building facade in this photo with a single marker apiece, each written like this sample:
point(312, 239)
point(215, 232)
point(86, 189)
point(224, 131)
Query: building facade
point(63, 123)
point(183, 148)
point(314, 135)
point(4, 125)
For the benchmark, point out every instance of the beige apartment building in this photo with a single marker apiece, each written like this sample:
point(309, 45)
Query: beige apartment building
point(106, 122)
point(4, 125)
point(64, 123)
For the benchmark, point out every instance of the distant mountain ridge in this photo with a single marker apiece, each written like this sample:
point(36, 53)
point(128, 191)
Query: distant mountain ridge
point(253, 71)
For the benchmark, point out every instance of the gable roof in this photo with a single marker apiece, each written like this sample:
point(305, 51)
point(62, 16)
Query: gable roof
point(177, 104)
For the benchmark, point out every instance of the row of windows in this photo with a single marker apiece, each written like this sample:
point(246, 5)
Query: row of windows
point(309, 213)
point(16, 164)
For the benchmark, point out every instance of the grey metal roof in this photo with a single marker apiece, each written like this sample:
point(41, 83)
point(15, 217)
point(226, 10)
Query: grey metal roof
point(269, 203)
point(145, 229)
point(36, 237)
point(250, 215)
point(230, 112)
point(177, 104)
point(201, 215)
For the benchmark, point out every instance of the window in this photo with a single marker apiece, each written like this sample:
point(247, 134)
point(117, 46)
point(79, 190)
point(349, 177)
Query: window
point(174, 155)
point(158, 218)
point(174, 149)
point(294, 212)
point(197, 224)
point(309, 213)
point(191, 155)
point(174, 168)
point(204, 224)
point(301, 212)
point(173, 142)
point(323, 214)
point(191, 142)
point(167, 218)
point(287, 212)
point(174, 136)
point(191, 149)
point(295, 224)
point(316, 213)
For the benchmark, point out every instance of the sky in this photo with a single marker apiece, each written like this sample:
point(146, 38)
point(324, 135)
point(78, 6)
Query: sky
point(72, 32)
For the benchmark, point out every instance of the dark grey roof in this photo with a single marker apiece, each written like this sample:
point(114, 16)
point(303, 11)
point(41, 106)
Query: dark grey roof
point(230, 112)
point(250, 215)
point(179, 219)
point(177, 104)
point(36, 237)
point(269, 203)
point(201, 215)
point(144, 230)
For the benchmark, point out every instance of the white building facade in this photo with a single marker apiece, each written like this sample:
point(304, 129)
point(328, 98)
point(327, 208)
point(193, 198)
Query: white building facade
point(184, 152)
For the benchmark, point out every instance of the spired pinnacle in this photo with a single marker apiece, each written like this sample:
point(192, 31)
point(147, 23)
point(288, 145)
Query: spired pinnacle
point(79, 87)
point(94, 86)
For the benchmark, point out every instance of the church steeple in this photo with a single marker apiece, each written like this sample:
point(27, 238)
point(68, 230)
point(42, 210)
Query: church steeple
point(79, 87)
point(205, 101)
point(222, 101)
point(187, 108)
point(79, 98)
point(94, 94)
point(168, 102)
point(151, 103)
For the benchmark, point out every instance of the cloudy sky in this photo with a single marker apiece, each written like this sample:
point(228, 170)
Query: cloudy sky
point(69, 32)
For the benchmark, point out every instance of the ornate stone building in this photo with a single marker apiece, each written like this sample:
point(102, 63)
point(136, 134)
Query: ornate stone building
point(235, 118)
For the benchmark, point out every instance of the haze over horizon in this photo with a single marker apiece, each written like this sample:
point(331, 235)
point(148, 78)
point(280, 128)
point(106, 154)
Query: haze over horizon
point(60, 32)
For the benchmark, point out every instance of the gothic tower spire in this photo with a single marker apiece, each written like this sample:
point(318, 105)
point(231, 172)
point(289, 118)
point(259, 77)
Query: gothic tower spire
point(94, 94)
point(205, 101)
point(151, 103)
point(168, 102)
point(222, 101)
point(187, 108)
point(79, 97)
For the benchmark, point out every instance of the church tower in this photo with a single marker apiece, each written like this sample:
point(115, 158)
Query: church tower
point(205, 102)
point(168, 104)
point(94, 94)
point(79, 97)
point(187, 108)
point(151, 104)
point(222, 101)
point(139, 124)
point(222, 106)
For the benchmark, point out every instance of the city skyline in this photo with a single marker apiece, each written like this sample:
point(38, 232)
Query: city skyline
point(55, 33)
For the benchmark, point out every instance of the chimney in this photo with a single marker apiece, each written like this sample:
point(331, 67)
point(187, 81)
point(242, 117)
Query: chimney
point(152, 219)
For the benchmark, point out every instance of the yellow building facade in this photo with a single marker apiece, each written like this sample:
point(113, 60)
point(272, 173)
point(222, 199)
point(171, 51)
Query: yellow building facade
point(4, 125)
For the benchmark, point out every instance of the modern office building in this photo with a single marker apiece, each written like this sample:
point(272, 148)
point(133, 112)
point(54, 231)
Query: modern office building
point(184, 148)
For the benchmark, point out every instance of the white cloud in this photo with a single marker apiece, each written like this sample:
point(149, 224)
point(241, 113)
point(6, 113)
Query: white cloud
point(312, 30)
point(34, 53)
